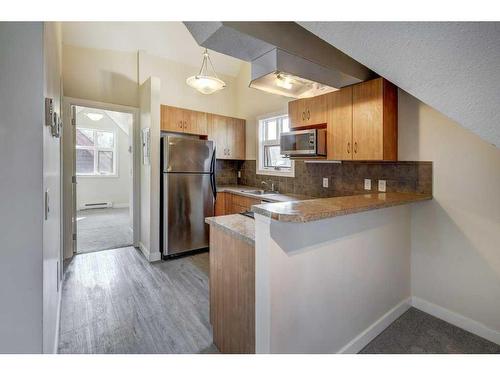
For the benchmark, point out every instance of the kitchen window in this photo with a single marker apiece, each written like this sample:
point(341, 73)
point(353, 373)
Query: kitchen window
point(269, 159)
point(95, 152)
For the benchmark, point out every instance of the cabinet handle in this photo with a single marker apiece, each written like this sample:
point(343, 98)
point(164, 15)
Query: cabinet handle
point(355, 147)
point(180, 124)
point(348, 147)
point(303, 116)
point(308, 114)
point(185, 125)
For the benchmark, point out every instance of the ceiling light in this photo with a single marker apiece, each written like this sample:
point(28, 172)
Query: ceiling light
point(94, 116)
point(203, 82)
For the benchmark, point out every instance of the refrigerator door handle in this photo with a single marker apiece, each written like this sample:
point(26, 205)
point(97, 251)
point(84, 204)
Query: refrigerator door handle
point(212, 175)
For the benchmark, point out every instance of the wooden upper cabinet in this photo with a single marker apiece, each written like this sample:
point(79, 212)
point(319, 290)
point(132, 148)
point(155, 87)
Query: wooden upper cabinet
point(374, 120)
point(228, 133)
point(172, 119)
point(308, 111)
point(362, 122)
point(196, 122)
point(339, 128)
point(236, 139)
point(182, 120)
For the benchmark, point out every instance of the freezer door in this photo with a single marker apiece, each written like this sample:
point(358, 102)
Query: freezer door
point(188, 199)
point(181, 154)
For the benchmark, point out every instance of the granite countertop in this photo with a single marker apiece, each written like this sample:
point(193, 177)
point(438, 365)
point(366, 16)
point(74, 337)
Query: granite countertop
point(245, 191)
point(239, 225)
point(317, 209)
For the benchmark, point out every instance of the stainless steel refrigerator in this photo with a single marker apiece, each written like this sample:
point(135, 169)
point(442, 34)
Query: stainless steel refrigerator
point(187, 193)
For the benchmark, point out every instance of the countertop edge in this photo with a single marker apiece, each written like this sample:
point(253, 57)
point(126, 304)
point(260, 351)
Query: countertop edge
point(231, 230)
point(304, 218)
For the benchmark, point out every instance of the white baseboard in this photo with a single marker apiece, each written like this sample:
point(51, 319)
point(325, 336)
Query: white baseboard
point(456, 319)
point(151, 257)
point(144, 250)
point(360, 341)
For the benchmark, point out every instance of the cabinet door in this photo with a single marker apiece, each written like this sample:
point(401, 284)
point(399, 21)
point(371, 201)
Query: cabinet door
point(220, 204)
point(195, 122)
point(236, 138)
point(172, 119)
point(295, 113)
point(308, 111)
point(315, 110)
point(367, 120)
point(217, 132)
point(339, 128)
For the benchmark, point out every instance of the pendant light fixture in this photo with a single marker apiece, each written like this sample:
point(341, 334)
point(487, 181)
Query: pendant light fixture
point(203, 82)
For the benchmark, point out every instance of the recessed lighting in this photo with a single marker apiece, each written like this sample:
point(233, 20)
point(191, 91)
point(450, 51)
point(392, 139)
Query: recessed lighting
point(94, 116)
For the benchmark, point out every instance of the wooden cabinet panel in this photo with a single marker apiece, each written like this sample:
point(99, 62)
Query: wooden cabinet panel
point(367, 117)
point(220, 204)
point(374, 120)
point(228, 133)
point(182, 120)
point(232, 310)
point(339, 128)
point(308, 111)
point(217, 132)
point(171, 119)
point(236, 139)
point(195, 122)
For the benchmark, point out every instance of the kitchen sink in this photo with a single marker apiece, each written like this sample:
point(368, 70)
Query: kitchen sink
point(259, 192)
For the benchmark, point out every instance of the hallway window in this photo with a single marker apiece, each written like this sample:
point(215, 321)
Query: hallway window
point(95, 152)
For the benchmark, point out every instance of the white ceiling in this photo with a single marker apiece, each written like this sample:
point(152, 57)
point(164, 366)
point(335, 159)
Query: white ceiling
point(170, 40)
point(453, 67)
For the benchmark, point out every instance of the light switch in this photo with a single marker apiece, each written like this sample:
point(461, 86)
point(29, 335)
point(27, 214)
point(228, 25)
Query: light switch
point(368, 184)
point(381, 185)
point(325, 182)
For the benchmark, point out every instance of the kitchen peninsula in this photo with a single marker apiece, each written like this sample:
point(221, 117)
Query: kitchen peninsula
point(327, 275)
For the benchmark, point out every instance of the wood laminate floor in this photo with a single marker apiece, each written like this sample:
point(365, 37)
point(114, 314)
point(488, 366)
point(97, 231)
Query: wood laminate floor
point(115, 301)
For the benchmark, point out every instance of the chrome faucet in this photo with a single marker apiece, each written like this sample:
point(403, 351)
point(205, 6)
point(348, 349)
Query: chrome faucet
point(266, 185)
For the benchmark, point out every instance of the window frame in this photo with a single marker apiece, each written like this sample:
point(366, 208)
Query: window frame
point(96, 150)
point(261, 144)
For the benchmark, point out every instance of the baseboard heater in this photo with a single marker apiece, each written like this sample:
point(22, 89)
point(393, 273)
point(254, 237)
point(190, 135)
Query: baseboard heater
point(90, 206)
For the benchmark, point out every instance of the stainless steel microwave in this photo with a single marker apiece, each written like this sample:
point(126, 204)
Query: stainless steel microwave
point(303, 143)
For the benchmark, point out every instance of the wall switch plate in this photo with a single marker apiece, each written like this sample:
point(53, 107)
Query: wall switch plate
point(381, 185)
point(239, 174)
point(325, 182)
point(368, 184)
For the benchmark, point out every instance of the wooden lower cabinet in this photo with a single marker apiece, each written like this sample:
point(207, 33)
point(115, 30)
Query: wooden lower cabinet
point(232, 292)
point(228, 203)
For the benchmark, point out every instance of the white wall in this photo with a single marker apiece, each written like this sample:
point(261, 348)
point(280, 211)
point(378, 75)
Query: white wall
point(107, 189)
point(100, 75)
point(149, 241)
point(321, 293)
point(52, 257)
point(21, 163)
point(456, 236)
point(30, 164)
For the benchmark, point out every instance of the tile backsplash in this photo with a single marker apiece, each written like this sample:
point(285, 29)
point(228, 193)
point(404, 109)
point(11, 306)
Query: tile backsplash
point(344, 178)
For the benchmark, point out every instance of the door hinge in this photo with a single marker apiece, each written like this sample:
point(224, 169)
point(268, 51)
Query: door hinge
point(74, 236)
point(73, 179)
point(73, 122)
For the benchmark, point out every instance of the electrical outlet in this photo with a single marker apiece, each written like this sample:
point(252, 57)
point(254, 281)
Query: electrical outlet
point(239, 174)
point(381, 185)
point(368, 184)
point(325, 182)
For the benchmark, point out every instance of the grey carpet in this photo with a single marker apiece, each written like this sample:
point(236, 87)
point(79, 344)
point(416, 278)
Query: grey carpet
point(416, 332)
point(115, 301)
point(102, 229)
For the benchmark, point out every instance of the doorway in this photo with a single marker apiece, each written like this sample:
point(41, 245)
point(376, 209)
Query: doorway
point(101, 202)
